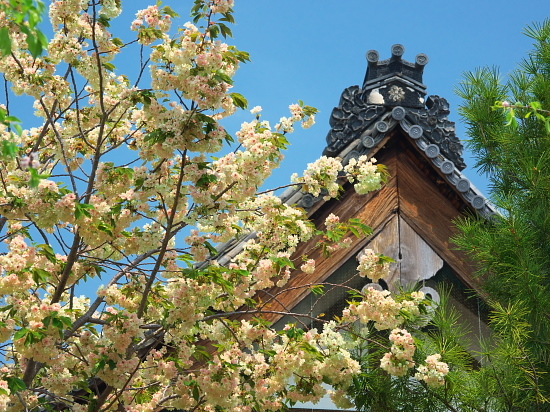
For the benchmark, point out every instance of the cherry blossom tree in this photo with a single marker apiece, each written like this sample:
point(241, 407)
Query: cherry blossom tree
point(120, 182)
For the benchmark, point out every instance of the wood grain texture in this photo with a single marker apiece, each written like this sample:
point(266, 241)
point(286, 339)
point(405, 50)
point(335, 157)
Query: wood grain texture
point(426, 204)
point(415, 260)
point(374, 209)
point(387, 243)
point(418, 261)
point(411, 215)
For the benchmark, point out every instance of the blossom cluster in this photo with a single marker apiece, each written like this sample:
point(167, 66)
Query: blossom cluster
point(332, 221)
point(324, 174)
point(221, 6)
point(386, 312)
point(321, 174)
point(399, 360)
point(151, 17)
point(308, 358)
point(298, 113)
point(433, 371)
point(371, 267)
point(308, 266)
point(363, 171)
point(128, 180)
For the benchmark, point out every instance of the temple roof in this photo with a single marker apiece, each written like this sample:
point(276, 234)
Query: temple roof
point(394, 80)
point(391, 105)
point(393, 93)
point(392, 97)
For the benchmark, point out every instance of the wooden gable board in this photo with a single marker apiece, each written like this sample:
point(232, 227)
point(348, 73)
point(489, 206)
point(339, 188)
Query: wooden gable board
point(416, 195)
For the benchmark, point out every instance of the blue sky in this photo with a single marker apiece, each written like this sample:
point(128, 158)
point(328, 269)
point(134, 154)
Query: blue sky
point(313, 49)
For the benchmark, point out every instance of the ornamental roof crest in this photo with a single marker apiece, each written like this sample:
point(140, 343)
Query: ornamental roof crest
point(394, 81)
point(393, 95)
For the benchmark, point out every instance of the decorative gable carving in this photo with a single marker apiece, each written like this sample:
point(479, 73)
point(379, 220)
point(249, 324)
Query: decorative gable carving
point(415, 260)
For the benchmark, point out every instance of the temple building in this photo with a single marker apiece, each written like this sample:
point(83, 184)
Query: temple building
point(389, 117)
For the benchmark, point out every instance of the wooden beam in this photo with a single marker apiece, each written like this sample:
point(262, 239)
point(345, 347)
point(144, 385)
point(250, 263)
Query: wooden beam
point(415, 192)
point(374, 209)
point(425, 206)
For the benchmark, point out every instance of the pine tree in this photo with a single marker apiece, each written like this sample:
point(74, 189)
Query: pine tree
point(511, 142)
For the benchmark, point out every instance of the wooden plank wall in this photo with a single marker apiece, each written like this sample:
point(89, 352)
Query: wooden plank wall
point(374, 209)
point(428, 205)
point(415, 192)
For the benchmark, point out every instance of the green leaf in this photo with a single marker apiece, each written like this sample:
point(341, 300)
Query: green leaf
point(115, 210)
point(104, 227)
point(294, 332)
point(204, 118)
point(354, 231)
point(81, 209)
point(201, 354)
point(197, 6)
point(9, 149)
point(47, 251)
point(269, 353)
point(511, 119)
point(104, 20)
point(363, 229)
point(15, 384)
point(20, 333)
point(195, 391)
point(168, 11)
point(109, 66)
point(205, 180)
point(539, 116)
point(228, 17)
point(158, 136)
point(239, 100)
point(36, 177)
point(317, 289)
point(186, 258)
point(33, 44)
point(211, 248)
point(56, 323)
point(34, 336)
point(384, 259)
point(40, 275)
point(309, 110)
point(282, 262)
point(6, 308)
point(125, 171)
point(98, 270)
point(226, 31)
point(228, 138)
point(17, 127)
point(214, 31)
point(99, 366)
point(5, 41)
point(10, 119)
point(222, 77)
